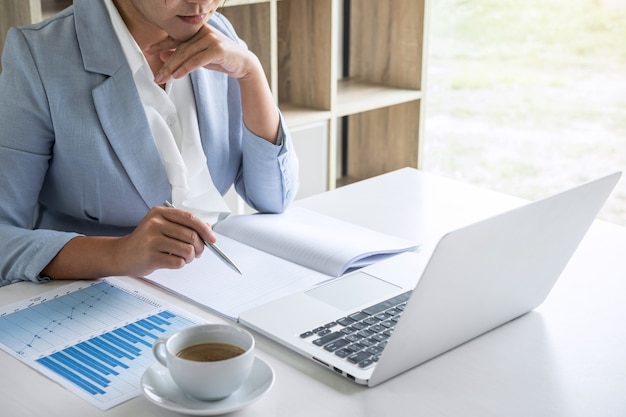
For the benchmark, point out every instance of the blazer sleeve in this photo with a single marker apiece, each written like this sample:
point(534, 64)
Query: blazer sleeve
point(268, 177)
point(26, 142)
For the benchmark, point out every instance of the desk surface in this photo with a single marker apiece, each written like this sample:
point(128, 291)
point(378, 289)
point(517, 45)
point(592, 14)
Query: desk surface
point(566, 358)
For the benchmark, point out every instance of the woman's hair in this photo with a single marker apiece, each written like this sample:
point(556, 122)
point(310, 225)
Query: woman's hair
point(221, 8)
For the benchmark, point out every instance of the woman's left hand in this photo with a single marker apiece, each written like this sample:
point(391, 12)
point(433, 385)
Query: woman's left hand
point(208, 48)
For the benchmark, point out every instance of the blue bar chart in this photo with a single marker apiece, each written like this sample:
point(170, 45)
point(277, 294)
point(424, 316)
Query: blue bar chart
point(96, 340)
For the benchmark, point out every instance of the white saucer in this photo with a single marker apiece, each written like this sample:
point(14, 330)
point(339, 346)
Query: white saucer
point(159, 388)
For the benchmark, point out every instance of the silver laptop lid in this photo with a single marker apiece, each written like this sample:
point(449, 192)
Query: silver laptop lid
point(490, 272)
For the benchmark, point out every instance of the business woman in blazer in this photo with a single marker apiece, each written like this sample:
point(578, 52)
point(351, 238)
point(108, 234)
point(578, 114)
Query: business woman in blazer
point(81, 180)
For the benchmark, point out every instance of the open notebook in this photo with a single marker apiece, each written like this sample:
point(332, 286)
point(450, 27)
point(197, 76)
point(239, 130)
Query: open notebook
point(278, 254)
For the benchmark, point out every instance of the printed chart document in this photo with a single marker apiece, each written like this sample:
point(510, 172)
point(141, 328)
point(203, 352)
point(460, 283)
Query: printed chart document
point(92, 337)
point(278, 254)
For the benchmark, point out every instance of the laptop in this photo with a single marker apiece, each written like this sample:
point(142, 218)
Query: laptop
point(377, 322)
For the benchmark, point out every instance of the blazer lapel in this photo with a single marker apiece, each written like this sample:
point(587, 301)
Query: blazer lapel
point(130, 136)
point(118, 105)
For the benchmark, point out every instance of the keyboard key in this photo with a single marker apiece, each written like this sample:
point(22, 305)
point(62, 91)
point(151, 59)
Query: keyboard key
point(337, 344)
point(365, 333)
point(367, 342)
point(323, 332)
point(388, 324)
point(353, 338)
point(359, 357)
point(345, 321)
point(374, 350)
point(380, 337)
point(371, 321)
point(354, 348)
point(365, 363)
point(377, 328)
point(343, 353)
point(359, 326)
point(387, 304)
point(327, 338)
point(358, 316)
point(306, 334)
point(393, 312)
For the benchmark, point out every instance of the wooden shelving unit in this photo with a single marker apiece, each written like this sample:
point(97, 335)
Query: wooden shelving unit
point(355, 67)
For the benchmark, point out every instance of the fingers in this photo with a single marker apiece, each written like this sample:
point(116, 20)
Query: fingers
point(172, 237)
point(168, 44)
point(182, 58)
point(185, 226)
point(208, 48)
point(178, 65)
point(165, 238)
point(183, 243)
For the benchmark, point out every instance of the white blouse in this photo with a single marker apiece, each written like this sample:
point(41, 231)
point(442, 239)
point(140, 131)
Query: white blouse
point(173, 121)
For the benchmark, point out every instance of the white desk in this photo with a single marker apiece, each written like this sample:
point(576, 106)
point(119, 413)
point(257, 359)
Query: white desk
point(567, 358)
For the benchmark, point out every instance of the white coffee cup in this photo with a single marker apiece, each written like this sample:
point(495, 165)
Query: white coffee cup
point(201, 378)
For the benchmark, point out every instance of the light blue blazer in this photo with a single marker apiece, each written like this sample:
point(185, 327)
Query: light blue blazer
point(76, 152)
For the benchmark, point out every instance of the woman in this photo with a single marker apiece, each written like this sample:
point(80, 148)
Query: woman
point(112, 107)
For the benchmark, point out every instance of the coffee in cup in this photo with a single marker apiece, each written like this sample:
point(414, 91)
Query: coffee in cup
point(209, 361)
point(209, 352)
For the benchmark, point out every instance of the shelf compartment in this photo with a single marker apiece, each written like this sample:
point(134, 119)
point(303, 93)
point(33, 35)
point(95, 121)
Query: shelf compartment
point(305, 53)
point(296, 115)
point(386, 42)
point(382, 140)
point(355, 96)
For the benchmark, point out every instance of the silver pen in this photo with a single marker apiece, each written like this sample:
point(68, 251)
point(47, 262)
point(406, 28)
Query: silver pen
point(213, 247)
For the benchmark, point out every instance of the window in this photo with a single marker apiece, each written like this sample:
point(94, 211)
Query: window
point(528, 97)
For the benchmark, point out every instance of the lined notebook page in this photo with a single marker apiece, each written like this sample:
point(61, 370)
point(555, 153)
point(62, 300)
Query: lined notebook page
point(211, 283)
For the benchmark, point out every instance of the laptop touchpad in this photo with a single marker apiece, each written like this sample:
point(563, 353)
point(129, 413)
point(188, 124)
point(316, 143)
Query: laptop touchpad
point(353, 291)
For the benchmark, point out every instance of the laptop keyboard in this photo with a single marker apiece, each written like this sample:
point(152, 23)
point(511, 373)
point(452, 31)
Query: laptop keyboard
point(360, 337)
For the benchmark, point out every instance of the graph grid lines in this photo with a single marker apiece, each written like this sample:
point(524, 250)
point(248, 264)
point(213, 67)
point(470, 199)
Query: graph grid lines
point(96, 340)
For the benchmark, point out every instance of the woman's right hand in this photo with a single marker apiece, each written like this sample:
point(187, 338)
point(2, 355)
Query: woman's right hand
point(165, 238)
